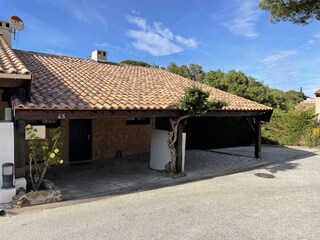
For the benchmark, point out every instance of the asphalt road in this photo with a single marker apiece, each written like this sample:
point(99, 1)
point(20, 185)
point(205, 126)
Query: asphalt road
point(238, 206)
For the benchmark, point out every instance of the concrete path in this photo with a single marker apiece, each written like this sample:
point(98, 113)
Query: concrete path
point(237, 206)
point(109, 177)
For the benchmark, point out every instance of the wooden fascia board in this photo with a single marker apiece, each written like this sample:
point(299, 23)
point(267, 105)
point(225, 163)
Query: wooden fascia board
point(22, 114)
point(13, 76)
point(45, 114)
point(263, 114)
point(13, 83)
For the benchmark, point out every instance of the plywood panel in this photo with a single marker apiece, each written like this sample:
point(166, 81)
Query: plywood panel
point(113, 135)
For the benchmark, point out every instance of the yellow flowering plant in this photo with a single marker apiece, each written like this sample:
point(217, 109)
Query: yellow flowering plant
point(43, 153)
point(313, 137)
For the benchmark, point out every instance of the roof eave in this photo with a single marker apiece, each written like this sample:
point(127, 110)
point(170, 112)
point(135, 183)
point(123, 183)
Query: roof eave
point(18, 81)
point(15, 76)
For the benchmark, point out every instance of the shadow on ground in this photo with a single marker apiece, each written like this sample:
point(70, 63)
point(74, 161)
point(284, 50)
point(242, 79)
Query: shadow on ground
point(111, 176)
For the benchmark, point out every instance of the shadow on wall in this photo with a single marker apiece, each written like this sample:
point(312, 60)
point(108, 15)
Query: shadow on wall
point(218, 132)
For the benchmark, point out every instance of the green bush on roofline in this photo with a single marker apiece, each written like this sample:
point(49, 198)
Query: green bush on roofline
point(136, 63)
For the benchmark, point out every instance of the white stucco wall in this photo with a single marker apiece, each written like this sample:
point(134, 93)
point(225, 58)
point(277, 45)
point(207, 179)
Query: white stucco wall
point(6, 145)
point(159, 151)
point(6, 156)
point(184, 141)
point(318, 106)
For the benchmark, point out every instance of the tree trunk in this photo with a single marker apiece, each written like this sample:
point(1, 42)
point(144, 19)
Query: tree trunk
point(173, 135)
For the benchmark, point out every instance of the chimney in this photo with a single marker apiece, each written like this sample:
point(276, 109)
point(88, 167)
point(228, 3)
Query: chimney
point(317, 93)
point(5, 31)
point(99, 56)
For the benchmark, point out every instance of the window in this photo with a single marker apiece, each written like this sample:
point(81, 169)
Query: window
point(138, 121)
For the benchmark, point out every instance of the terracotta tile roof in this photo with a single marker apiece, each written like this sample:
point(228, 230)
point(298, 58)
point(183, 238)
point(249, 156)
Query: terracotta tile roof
point(306, 104)
point(9, 62)
point(61, 82)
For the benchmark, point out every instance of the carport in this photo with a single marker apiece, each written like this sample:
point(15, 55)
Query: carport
point(157, 120)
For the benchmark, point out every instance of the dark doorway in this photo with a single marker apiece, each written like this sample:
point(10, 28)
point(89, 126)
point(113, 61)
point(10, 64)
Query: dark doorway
point(80, 140)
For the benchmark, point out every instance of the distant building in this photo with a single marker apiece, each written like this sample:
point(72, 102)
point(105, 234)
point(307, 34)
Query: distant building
point(311, 103)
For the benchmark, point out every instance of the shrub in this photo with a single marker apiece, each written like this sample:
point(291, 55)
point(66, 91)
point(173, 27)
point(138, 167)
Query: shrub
point(291, 127)
point(313, 137)
point(43, 153)
point(136, 63)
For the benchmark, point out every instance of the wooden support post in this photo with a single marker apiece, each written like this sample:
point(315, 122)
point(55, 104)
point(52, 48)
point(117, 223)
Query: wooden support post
point(20, 148)
point(179, 147)
point(257, 138)
point(64, 124)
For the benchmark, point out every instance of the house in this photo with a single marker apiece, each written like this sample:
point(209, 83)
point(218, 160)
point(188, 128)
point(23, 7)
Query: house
point(317, 93)
point(310, 103)
point(306, 104)
point(104, 109)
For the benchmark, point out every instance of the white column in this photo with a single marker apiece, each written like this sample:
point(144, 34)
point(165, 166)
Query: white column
point(318, 103)
point(6, 156)
point(159, 151)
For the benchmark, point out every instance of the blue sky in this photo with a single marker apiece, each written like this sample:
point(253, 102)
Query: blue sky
point(229, 34)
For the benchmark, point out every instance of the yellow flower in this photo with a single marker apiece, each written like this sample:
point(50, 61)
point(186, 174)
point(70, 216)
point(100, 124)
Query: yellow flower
point(52, 155)
point(56, 150)
point(61, 161)
point(29, 126)
point(316, 131)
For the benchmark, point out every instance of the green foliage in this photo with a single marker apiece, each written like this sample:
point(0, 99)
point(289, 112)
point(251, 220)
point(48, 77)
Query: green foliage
point(313, 137)
point(215, 79)
point(290, 127)
point(297, 11)
point(195, 102)
point(193, 72)
point(245, 86)
point(43, 153)
point(136, 63)
point(196, 72)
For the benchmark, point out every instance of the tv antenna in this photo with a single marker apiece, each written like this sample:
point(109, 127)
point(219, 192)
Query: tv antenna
point(16, 24)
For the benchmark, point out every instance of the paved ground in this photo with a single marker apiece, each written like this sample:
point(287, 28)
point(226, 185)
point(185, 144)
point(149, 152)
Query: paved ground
point(106, 177)
point(237, 206)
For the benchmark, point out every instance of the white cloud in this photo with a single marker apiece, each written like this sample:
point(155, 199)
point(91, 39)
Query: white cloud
point(190, 42)
point(133, 11)
point(314, 41)
point(88, 11)
point(276, 58)
point(139, 22)
point(316, 35)
point(163, 31)
point(245, 17)
point(157, 39)
point(309, 44)
point(281, 67)
point(153, 43)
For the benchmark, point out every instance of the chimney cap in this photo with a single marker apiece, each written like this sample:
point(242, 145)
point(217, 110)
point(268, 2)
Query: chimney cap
point(99, 56)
